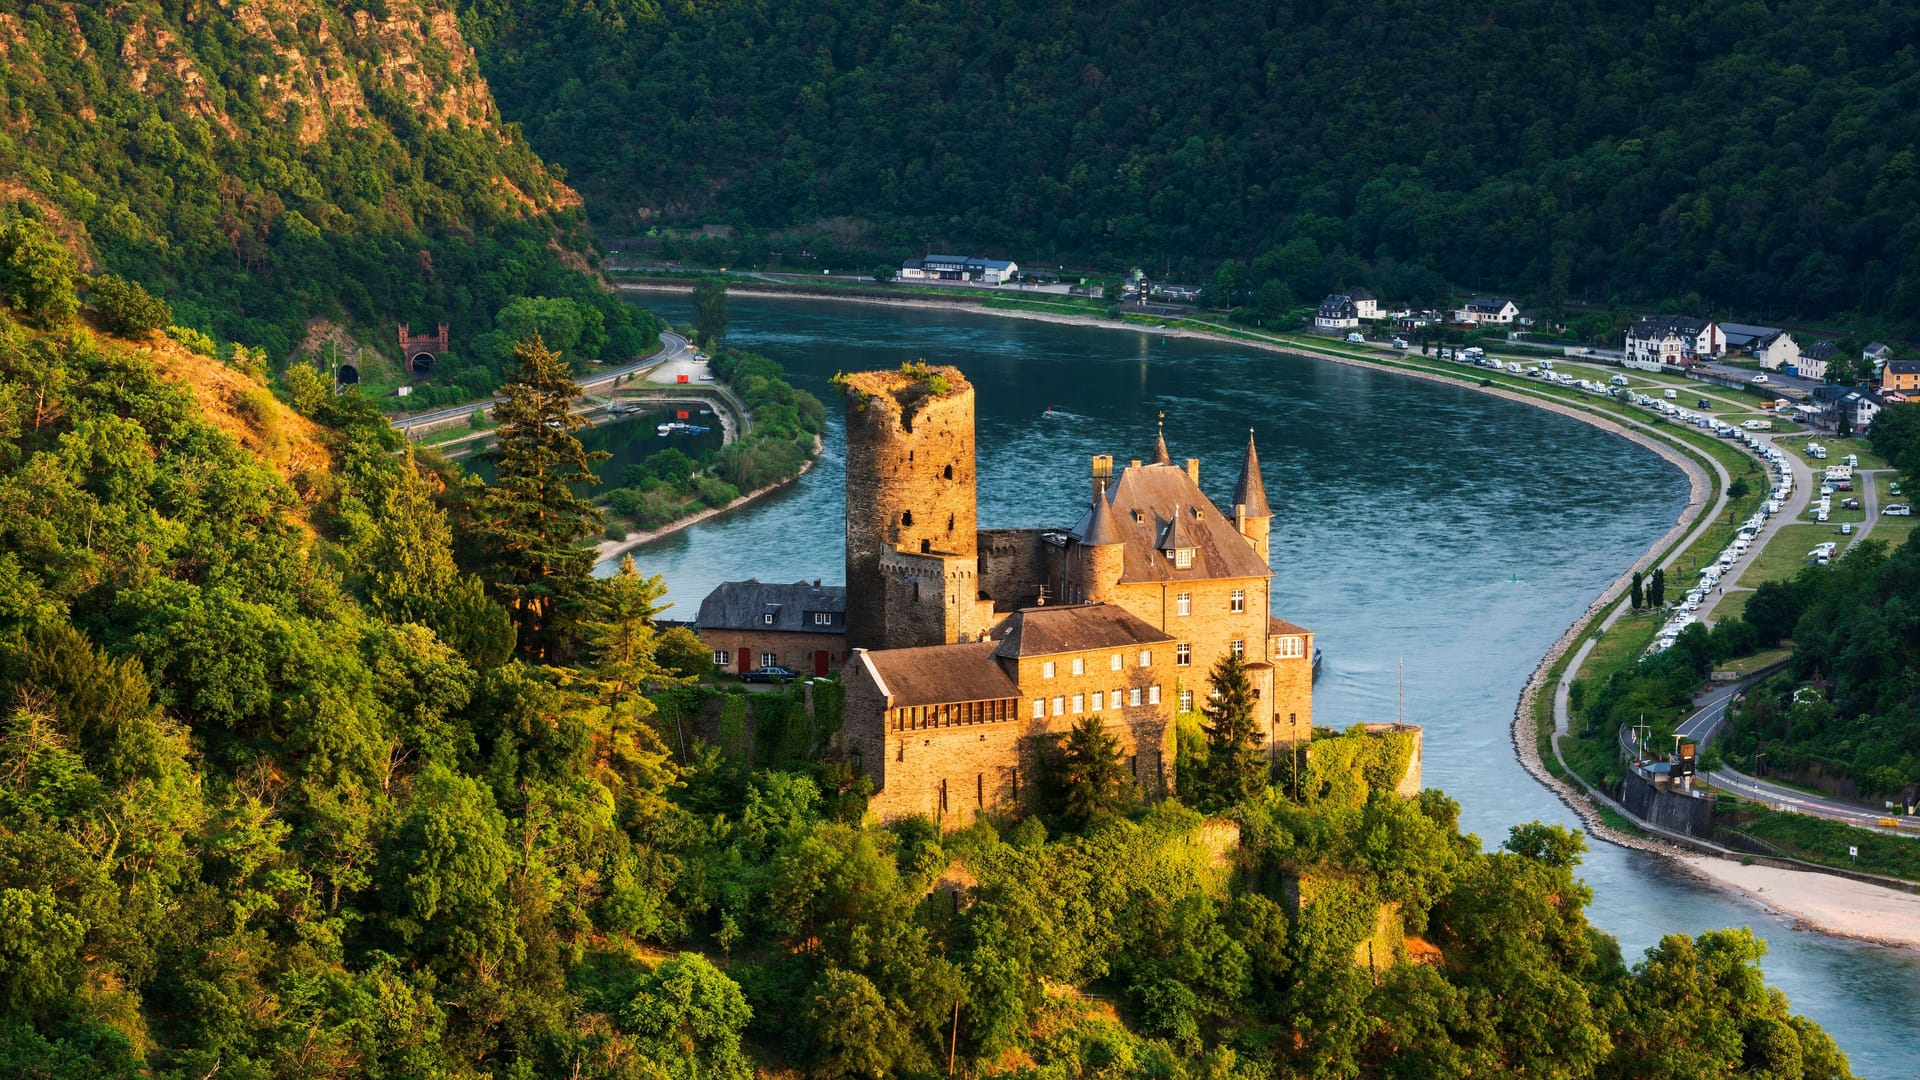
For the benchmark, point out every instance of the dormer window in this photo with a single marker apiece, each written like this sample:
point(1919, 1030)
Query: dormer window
point(767, 618)
point(1182, 558)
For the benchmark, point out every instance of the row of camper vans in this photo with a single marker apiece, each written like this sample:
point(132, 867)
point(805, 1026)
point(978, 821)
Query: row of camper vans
point(1685, 613)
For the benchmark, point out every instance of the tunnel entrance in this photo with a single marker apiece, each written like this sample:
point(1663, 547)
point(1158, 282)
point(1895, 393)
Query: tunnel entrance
point(421, 363)
point(349, 374)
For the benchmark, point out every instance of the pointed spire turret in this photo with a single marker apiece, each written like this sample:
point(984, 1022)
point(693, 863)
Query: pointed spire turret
point(1101, 530)
point(1160, 455)
point(1251, 491)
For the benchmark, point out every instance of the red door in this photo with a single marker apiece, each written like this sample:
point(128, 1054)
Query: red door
point(819, 661)
point(746, 658)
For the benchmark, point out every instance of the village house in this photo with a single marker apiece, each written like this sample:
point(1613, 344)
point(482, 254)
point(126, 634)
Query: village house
point(1672, 341)
point(1365, 305)
point(1337, 312)
point(1815, 359)
point(967, 268)
point(1876, 353)
point(751, 624)
point(1487, 311)
point(1900, 377)
point(1857, 407)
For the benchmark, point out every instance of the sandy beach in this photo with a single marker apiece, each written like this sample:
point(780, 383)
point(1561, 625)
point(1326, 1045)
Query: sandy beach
point(1825, 903)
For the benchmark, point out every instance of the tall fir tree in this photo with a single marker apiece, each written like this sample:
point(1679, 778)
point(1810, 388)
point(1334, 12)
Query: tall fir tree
point(1634, 595)
point(1236, 767)
point(1657, 591)
point(528, 521)
point(1094, 784)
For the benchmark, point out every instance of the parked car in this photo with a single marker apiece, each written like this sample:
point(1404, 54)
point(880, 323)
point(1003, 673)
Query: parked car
point(1354, 339)
point(1758, 380)
point(1851, 504)
point(773, 673)
point(1897, 510)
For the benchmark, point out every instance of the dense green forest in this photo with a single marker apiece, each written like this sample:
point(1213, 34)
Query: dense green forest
point(267, 164)
point(321, 763)
point(1732, 155)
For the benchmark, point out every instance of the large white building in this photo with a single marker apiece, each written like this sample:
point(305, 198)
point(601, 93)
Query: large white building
point(1488, 311)
point(960, 268)
point(1672, 341)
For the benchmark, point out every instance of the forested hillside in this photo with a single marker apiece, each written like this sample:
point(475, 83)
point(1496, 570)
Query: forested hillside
point(263, 163)
point(1734, 155)
point(321, 761)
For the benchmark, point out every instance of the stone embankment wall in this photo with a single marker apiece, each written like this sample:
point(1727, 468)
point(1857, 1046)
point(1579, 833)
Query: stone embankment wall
point(1660, 804)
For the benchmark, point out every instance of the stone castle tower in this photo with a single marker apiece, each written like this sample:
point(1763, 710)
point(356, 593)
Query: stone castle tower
point(912, 547)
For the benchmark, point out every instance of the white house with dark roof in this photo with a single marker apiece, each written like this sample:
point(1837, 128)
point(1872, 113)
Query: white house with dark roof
point(1337, 312)
point(1672, 341)
point(1488, 311)
point(1365, 305)
point(970, 268)
point(1815, 358)
point(1777, 350)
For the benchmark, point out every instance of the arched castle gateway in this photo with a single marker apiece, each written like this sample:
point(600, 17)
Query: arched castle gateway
point(970, 647)
point(420, 352)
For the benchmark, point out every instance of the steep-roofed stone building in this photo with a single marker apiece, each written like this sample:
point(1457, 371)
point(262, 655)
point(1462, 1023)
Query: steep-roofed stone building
point(970, 647)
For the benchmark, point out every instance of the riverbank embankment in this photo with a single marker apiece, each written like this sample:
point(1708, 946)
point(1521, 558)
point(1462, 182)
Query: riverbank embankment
point(608, 550)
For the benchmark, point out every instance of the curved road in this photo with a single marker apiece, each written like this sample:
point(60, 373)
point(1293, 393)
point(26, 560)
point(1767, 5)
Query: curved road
point(672, 347)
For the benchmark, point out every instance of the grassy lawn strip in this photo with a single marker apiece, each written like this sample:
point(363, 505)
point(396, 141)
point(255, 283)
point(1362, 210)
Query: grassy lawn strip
point(1818, 840)
point(1786, 553)
point(1837, 451)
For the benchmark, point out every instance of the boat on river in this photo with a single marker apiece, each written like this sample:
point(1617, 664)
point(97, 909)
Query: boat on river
point(675, 427)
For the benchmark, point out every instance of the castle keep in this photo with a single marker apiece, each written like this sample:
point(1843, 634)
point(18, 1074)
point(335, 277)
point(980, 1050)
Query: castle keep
point(970, 648)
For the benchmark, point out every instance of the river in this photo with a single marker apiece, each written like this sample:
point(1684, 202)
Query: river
point(1417, 526)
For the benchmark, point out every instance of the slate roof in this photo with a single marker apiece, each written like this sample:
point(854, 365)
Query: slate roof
point(1491, 305)
point(939, 674)
point(1064, 628)
point(1682, 325)
point(1360, 294)
point(1337, 307)
point(1098, 528)
point(1744, 335)
point(744, 605)
point(1820, 350)
point(1251, 491)
point(1903, 367)
point(1145, 499)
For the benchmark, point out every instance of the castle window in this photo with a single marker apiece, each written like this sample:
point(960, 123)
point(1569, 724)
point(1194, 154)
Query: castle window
point(1046, 669)
point(1059, 706)
point(1153, 694)
point(1146, 657)
point(1079, 665)
point(1186, 700)
point(1182, 558)
point(1183, 603)
point(947, 473)
point(822, 618)
point(1133, 696)
point(1291, 648)
point(1237, 601)
point(1039, 708)
point(906, 517)
point(721, 658)
point(768, 659)
point(1079, 704)
point(1098, 697)
point(1237, 647)
point(1118, 662)
point(767, 619)
point(1182, 654)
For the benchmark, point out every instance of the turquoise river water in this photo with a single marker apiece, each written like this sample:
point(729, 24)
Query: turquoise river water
point(1417, 524)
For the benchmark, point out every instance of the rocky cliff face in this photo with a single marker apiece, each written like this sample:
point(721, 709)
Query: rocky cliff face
point(226, 151)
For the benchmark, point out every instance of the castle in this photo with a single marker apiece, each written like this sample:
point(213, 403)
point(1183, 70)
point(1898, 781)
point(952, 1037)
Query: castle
point(971, 646)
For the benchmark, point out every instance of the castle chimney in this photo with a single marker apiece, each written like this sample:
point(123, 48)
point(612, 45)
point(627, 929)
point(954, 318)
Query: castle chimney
point(1193, 470)
point(1102, 474)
